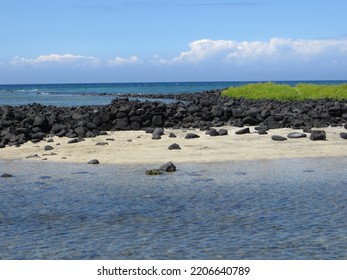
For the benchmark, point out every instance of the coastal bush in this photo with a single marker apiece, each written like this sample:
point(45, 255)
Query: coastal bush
point(285, 92)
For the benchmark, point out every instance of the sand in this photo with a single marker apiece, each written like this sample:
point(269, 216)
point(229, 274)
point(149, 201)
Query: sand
point(137, 147)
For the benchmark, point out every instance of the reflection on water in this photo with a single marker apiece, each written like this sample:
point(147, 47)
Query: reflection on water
point(282, 209)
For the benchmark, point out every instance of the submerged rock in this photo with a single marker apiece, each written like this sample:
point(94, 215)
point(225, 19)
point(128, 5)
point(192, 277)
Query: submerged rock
point(168, 167)
point(154, 172)
point(93, 161)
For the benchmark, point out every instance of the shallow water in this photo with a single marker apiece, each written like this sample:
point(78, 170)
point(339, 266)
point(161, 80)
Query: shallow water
point(275, 209)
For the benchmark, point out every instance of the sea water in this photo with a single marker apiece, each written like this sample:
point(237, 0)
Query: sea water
point(263, 209)
point(102, 94)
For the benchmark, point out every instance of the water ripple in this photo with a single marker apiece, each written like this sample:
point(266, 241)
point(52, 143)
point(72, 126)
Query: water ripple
point(203, 212)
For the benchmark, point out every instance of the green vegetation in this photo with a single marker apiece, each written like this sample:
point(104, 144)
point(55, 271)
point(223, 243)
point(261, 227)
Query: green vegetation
point(286, 92)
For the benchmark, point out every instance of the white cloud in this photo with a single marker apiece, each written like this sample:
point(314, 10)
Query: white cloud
point(121, 60)
point(201, 49)
point(276, 49)
point(55, 59)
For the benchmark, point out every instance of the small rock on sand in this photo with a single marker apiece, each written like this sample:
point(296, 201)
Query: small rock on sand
point(73, 141)
point(48, 148)
point(101, 144)
point(191, 136)
point(243, 131)
point(33, 156)
point(156, 136)
point(222, 132)
point(278, 138)
point(317, 135)
point(343, 135)
point(174, 146)
point(296, 135)
point(212, 132)
point(262, 131)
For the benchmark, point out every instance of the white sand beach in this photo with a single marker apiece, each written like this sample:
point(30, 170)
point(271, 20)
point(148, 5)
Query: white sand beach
point(137, 147)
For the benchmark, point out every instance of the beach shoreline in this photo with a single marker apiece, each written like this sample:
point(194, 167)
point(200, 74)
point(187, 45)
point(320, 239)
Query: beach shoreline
point(138, 147)
point(130, 131)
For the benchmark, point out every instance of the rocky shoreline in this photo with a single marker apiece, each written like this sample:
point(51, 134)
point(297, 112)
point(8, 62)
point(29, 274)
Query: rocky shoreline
point(34, 122)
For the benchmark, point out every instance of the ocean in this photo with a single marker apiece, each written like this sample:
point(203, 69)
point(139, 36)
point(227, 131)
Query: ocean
point(102, 94)
point(265, 209)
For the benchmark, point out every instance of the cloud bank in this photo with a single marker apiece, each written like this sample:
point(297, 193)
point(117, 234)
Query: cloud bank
point(205, 59)
point(226, 51)
point(274, 50)
point(54, 59)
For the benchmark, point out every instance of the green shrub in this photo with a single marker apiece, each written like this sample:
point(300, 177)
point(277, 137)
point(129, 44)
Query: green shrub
point(284, 92)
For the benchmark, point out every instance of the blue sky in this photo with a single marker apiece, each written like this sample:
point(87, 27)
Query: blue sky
point(62, 41)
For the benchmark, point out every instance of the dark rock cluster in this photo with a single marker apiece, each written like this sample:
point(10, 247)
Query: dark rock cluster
point(167, 167)
point(19, 124)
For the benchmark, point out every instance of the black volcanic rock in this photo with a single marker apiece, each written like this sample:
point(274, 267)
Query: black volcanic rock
point(174, 146)
point(222, 132)
point(262, 131)
point(317, 135)
point(296, 135)
point(168, 167)
point(243, 131)
point(41, 122)
point(212, 132)
point(73, 141)
point(278, 138)
point(250, 121)
point(191, 136)
point(93, 161)
point(343, 135)
point(48, 148)
point(202, 110)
